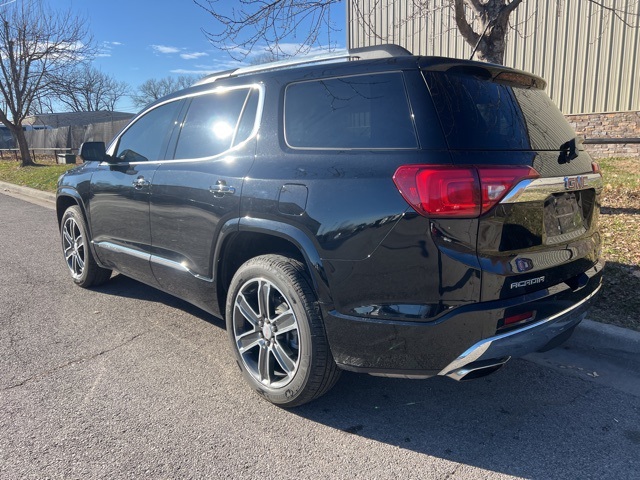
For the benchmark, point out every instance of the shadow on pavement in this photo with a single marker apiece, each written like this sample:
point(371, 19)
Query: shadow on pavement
point(122, 286)
point(526, 420)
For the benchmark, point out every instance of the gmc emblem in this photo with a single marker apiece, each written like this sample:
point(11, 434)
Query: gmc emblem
point(575, 183)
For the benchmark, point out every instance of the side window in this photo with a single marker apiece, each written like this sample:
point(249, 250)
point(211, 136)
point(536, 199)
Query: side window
point(146, 138)
point(210, 124)
point(364, 111)
point(248, 119)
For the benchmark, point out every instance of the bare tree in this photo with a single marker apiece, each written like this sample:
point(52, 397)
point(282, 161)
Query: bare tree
point(484, 24)
point(87, 89)
point(272, 22)
point(153, 89)
point(36, 46)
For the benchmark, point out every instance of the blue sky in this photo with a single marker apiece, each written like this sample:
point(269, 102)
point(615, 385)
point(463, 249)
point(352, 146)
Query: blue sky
point(143, 39)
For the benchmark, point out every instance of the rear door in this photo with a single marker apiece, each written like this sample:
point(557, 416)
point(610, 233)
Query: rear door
point(198, 192)
point(544, 231)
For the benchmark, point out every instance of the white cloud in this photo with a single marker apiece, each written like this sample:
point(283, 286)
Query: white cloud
point(183, 71)
point(194, 55)
point(295, 49)
point(164, 49)
point(219, 65)
point(287, 50)
point(106, 48)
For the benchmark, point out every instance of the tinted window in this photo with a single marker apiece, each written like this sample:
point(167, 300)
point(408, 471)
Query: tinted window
point(146, 138)
point(210, 124)
point(365, 111)
point(479, 114)
point(548, 128)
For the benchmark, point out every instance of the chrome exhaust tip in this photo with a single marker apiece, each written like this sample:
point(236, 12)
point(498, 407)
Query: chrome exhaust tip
point(477, 369)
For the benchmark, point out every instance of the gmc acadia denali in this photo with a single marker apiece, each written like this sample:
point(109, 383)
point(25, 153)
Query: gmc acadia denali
point(375, 211)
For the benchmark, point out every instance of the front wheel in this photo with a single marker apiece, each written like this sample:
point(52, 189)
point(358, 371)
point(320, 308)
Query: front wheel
point(276, 331)
point(83, 268)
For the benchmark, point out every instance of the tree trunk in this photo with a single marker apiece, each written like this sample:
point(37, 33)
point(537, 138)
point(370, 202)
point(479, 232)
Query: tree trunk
point(21, 140)
point(491, 48)
point(489, 41)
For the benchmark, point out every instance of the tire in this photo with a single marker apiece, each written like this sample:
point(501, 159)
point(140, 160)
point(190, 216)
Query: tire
point(276, 332)
point(83, 268)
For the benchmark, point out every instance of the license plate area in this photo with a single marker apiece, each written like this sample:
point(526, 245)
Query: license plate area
point(566, 215)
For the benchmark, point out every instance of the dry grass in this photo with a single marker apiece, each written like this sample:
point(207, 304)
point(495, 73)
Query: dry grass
point(44, 176)
point(619, 302)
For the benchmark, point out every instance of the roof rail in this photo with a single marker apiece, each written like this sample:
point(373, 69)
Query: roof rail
point(379, 51)
point(364, 53)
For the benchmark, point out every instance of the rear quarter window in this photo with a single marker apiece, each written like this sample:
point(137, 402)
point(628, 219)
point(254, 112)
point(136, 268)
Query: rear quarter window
point(356, 112)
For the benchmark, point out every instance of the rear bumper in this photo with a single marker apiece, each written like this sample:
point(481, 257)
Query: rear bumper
point(463, 339)
point(536, 336)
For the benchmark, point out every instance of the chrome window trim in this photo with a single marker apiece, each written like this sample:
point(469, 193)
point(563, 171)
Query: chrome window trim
point(256, 125)
point(348, 149)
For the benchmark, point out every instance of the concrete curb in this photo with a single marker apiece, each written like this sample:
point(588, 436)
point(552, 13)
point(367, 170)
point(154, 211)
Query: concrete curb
point(27, 191)
point(591, 335)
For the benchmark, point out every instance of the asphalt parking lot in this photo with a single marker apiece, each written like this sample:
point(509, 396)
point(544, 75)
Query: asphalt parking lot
point(127, 382)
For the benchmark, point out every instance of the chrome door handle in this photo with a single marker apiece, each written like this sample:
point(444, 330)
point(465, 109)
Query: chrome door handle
point(221, 188)
point(140, 182)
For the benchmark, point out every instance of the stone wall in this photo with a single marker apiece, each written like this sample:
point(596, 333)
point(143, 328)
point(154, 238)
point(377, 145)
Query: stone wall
point(609, 125)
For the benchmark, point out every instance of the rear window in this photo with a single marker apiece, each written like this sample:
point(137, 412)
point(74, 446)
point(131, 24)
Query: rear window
point(363, 111)
point(480, 114)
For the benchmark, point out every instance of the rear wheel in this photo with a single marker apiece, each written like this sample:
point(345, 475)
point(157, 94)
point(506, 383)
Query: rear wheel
point(83, 268)
point(276, 331)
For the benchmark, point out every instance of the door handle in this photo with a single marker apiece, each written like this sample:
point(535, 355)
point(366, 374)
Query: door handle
point(140, 182)
point(221, 189)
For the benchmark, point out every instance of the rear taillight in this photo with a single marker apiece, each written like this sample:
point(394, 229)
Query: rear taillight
point(463, 192)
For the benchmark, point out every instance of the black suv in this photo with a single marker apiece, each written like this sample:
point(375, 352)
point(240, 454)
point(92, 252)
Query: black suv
point(376, 212)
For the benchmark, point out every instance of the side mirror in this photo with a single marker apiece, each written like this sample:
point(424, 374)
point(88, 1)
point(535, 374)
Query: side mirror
point(93, 152)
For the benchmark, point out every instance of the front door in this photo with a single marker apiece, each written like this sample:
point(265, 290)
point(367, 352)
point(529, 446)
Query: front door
point(119, 210)
point(120, 191)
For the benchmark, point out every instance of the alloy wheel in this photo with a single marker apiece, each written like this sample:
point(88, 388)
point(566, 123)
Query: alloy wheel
point(74, 247)
point(265, 330)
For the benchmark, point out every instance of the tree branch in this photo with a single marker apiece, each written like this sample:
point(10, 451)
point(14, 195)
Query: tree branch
point(618, 12)
point(463, 25)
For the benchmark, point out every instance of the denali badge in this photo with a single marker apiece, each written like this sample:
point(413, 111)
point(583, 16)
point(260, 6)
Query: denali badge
point(574, 183)
point(526, 283)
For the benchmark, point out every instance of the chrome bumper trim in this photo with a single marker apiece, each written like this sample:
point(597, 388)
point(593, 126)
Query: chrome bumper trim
point(516, 343)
